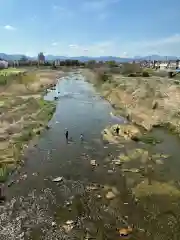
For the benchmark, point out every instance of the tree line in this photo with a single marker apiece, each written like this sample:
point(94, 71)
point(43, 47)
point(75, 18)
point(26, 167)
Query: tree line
point(67, 62)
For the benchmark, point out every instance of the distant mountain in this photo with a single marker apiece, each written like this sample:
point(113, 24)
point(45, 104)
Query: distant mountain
point(9, 57)
point(13, 57)
point(86, 58)
point(156, 57)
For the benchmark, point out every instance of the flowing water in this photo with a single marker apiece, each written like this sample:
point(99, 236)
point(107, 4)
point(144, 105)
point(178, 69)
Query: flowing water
point(38, 208)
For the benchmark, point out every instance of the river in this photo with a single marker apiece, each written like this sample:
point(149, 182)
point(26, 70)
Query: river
point(38, 208)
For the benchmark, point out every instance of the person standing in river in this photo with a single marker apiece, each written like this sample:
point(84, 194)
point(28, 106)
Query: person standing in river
point(82, 138)
point(67, 135)
point(117, 130)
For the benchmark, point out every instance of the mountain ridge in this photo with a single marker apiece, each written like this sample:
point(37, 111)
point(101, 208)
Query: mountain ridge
point(12, 57)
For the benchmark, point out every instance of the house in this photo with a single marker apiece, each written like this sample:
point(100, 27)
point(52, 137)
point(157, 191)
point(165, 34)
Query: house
point(3, 64)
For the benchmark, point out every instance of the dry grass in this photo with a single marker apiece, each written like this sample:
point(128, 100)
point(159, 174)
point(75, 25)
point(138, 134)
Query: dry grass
point(23, 114)
point(151, 101)
point(148, 102)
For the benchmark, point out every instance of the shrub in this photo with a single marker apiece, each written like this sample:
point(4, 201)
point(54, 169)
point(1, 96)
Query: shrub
point(103, 76)
point(3, 80)
point(132, 75)
point(145, 74)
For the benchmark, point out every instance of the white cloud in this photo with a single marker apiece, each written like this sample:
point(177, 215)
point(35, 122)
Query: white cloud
point(75, 46)
point(94, 49)
point(124, 55)
point(99, 7)
point(167, 46)
point(98, 4)
point(62, 11)
point(30, 54)
point(9, 27)
point(54, 44)
point(57, 7)
point(163, 46)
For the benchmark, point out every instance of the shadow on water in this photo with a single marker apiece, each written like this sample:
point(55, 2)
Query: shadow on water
point(38, 208)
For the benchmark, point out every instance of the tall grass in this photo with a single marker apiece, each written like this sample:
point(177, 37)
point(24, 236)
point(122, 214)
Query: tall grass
point(20, 78)
point(102, 76)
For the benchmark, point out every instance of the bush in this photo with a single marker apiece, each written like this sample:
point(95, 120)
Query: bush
point(103, 76)
point(132, 75)
point(145, 74)
point(3, 80)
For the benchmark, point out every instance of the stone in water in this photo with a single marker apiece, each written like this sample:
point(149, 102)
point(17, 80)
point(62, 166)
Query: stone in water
point(58, 179)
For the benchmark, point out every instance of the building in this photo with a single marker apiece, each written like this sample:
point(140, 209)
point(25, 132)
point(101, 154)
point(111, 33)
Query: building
point(41, 58)
point(3, 64)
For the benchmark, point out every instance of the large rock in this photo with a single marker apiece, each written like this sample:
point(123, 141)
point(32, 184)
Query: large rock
point(128, 131)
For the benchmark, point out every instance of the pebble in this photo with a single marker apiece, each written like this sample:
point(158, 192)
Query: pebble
point(87, 237)
point(53, 224)
point(21, 235)
point(58, 179)
point(93, 163)
point(23, 177)
point(67, 228)
point(115, 191)
point(93, 187)
point(11, 183)
point(117, 162)
point(110, 195)
point(133, 170)
point(69, 222)
point(68, 203)
point(159, 161)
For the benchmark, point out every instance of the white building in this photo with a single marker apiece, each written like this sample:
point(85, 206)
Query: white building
point(3, 64)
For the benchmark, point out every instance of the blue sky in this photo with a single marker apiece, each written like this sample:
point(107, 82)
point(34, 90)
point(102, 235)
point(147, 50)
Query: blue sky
point(121, 28)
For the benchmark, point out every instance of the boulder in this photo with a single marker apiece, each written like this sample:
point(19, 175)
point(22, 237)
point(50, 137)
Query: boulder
point(128, 131)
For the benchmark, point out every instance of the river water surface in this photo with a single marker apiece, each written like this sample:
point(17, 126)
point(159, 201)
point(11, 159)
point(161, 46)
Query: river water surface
point(34, 198)
point(39, 208)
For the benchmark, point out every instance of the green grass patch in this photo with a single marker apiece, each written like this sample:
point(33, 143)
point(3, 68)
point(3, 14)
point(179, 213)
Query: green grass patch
point(26, 136)
point(48, 109)
point(149, 70)
point(3, 173)
point(148, 139)
point(10, 71)
point(17, 76)
point(5, 170)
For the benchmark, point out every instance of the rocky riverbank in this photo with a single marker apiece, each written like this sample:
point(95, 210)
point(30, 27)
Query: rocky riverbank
point(23, 114)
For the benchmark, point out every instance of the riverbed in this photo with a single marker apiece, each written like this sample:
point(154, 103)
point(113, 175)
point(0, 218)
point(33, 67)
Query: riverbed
point(59, 193)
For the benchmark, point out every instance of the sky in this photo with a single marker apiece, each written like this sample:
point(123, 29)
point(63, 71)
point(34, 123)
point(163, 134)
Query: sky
point(122, 28)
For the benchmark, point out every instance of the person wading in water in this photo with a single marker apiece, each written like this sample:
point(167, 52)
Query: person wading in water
point(67, 135)
point(82, 137)
point(117, 130)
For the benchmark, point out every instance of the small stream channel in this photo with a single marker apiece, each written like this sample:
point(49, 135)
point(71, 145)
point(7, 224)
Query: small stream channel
point(37, 207)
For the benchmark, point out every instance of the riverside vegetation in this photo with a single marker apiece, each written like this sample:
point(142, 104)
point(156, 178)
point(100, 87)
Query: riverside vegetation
point(23, 112)
point(147, 102)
